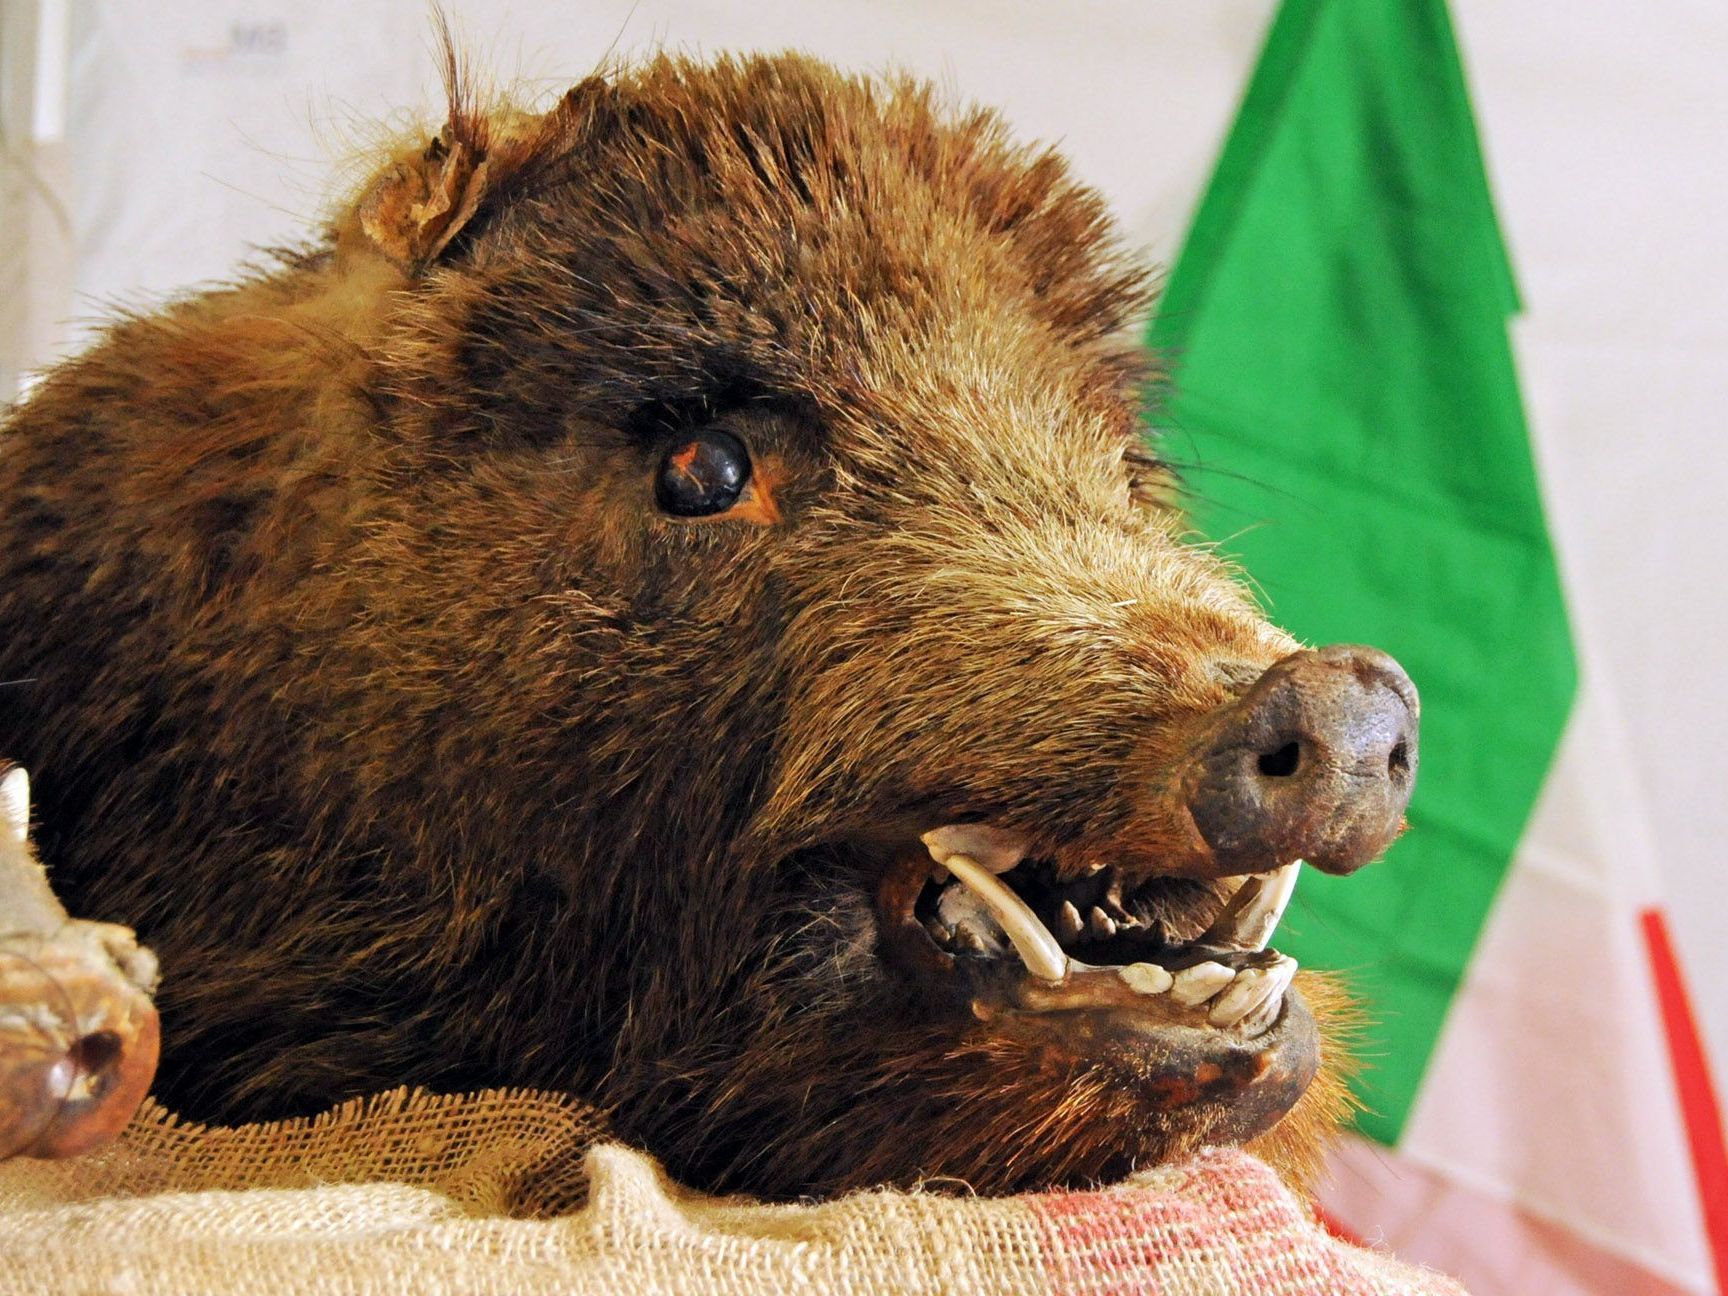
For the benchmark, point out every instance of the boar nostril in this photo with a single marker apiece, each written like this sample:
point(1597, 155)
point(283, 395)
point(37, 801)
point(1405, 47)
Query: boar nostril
point(1398, 763)
point(1282, 763)
point(1315, 761)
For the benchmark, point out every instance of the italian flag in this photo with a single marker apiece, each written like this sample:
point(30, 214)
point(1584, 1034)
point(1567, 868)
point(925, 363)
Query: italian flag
point(1538, 1115)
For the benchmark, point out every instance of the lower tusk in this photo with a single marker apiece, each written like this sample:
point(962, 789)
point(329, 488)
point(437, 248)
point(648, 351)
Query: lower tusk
point(1031, 939)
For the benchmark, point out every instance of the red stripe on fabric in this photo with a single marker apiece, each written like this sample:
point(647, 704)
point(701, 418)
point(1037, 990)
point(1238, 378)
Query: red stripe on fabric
point(1220, 1221)
point(1699, 1107)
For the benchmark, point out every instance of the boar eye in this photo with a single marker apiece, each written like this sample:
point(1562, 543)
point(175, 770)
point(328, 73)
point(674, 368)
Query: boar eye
point(703, 474)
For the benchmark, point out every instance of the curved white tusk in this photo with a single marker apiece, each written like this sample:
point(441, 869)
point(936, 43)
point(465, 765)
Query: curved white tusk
point(1032, 940)
point(1252, 914)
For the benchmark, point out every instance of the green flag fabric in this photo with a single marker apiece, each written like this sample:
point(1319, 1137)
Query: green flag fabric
point(1345, 404)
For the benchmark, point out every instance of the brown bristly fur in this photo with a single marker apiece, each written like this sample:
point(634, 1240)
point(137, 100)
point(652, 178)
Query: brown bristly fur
point(371, 687)
point(1297, 1144)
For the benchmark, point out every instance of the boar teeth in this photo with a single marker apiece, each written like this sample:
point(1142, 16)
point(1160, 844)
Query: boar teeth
point(1146, 978)
point(1252, 990)
point(1068, 921)
point(1195, 985)
point(969, 940)
point(1252, 914)
point(971, 920)
point(1037, 948)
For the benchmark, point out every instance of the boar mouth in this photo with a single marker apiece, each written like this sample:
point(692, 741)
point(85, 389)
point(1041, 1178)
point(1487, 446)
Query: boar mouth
point(1198, 950)
point(1171, 983)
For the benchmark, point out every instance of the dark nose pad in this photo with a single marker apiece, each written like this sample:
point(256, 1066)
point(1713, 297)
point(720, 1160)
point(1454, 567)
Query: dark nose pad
point(1315, 762)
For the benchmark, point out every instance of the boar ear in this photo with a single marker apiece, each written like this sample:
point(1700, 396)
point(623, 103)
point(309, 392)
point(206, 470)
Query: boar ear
point(413, 210)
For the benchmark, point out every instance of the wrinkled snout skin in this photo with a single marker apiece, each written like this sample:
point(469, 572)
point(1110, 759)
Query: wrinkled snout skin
point(372, 684)
point(1316, 762)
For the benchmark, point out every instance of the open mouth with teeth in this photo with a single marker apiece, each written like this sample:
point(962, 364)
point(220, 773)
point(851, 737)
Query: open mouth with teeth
point(1170, 984)
point(1159, 979)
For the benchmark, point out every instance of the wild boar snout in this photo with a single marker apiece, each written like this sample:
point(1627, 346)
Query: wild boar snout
point(1316, 761)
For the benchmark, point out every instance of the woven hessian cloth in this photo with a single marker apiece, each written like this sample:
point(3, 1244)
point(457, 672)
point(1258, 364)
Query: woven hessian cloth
point(517, 1193)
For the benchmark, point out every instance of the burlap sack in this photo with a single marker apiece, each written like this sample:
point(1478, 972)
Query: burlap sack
point(513, 1193)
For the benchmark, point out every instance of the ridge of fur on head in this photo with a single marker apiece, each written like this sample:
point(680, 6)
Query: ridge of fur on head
point(423, 188)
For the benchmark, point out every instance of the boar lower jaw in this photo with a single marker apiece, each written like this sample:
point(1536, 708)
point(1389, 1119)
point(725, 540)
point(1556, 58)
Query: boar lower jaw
point(1163, 991)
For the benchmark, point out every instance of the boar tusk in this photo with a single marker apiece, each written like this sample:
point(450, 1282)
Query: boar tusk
point(1252, 914)
point(1031, 939)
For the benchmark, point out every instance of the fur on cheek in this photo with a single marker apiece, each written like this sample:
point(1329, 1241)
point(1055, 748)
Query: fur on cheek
point(1296, 1147)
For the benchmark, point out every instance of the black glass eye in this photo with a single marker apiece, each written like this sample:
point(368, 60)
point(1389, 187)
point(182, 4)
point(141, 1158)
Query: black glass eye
point(702, 475)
